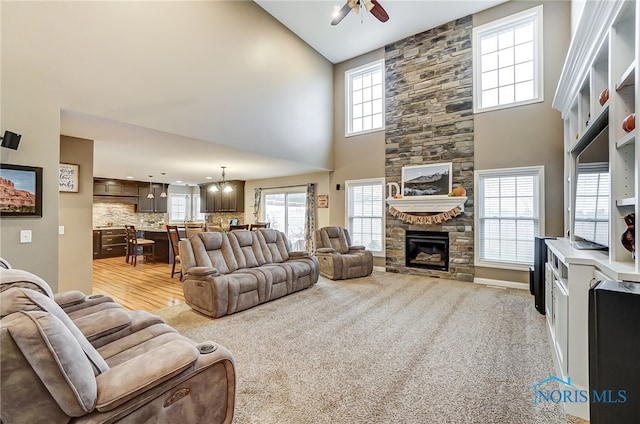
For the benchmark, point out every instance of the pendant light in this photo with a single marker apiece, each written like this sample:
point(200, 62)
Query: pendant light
point(164, 193)
point(150, 195)
point(221, 184)
point(225, 185)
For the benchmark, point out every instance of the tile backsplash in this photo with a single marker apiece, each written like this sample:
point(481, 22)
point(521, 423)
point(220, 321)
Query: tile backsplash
point(120, 214)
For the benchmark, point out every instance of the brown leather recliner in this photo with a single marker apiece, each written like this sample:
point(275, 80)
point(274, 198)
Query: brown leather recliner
point(338, 259)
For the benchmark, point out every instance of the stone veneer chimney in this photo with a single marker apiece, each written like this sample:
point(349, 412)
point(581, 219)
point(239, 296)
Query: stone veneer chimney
point(429, 107)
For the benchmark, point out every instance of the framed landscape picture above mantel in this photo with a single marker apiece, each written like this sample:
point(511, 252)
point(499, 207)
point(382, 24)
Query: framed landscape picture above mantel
point(20, 191)
point(426, 180)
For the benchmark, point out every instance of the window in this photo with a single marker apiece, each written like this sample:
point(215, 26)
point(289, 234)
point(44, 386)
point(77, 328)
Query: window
point(510, 214)
point(197, 215)
point(592, 203)
point(286, 212)
point(507, 61)
point(365, 213)
point(365, 99)
point(179, 207)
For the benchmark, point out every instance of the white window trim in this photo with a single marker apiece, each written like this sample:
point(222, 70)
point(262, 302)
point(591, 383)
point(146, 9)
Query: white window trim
point(383, 252)
point(538, 79)
point(188, 204)
point(477, 201)
point(347, 98)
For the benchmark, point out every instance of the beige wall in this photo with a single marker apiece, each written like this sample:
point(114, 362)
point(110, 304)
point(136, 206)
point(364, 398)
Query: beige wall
point(75, 246)
point(322, 187)
point(129, 62)
point(532, 134)
point(355, 157)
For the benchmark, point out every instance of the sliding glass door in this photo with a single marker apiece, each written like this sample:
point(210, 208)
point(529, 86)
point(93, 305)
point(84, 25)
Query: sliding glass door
point(285, 211)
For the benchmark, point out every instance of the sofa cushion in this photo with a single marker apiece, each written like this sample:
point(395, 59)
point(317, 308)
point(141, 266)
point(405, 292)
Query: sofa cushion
point(19, 299)
point(334, 237)
point(209, 249)
point(246, 249)
point(21, 278)
point(55, 356)
point(273, 245)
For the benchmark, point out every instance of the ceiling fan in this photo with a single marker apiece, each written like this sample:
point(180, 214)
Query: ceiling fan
point(371, 5)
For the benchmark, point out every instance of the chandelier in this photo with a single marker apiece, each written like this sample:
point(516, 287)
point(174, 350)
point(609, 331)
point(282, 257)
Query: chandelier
point(226, 188)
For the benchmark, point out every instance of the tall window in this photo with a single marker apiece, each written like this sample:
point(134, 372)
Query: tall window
point(197, 215)
point(179, 207)
point(365, 213)
point(507, 58)
point(510, 213)
point(286, 211)
point(592, 203)
point(365, 98)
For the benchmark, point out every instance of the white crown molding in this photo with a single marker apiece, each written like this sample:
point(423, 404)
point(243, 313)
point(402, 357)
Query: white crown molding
point(597, 18)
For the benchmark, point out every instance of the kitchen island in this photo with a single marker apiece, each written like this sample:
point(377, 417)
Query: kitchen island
point(163, 251)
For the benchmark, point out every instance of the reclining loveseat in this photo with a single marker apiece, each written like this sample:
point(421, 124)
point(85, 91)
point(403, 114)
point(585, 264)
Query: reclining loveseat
point(224, 273)
point(94, 362)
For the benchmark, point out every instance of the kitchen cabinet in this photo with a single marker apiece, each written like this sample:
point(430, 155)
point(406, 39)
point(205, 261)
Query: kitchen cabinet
point(220, 201)
point(157, 204)
point(109, 243)
point(108, 187)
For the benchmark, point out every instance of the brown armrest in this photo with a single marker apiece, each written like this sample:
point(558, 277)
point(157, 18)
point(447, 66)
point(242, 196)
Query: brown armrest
point(125, 381)
point(326, 250)
point(299, 254)
point(202, 271)
point(357, 248)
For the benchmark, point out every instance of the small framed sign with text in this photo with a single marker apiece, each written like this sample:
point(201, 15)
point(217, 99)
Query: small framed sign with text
point(323, 201)
point(68, 177)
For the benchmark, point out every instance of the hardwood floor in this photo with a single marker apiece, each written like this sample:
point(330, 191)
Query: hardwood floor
point(146, 287)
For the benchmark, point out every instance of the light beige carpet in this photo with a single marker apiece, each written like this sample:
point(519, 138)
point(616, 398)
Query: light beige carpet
point(388, 348)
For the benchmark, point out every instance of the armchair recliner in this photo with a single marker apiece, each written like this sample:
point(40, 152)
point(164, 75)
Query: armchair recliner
point(338, 259)
point(57, 369)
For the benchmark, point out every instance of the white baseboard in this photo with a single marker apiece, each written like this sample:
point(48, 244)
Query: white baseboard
point(380, 268)
point(501, 283)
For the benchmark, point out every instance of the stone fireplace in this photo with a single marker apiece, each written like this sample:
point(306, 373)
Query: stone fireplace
point(427, 249)
point(429, 104)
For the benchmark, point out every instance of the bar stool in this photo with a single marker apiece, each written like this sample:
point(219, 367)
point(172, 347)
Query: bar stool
point(174, 239)
point(136, 247)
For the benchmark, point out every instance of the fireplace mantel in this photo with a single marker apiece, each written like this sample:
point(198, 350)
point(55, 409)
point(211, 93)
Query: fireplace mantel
point(427, 203)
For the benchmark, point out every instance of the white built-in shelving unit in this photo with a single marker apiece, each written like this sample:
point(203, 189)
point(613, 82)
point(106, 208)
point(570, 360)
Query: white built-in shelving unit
point(604, 55)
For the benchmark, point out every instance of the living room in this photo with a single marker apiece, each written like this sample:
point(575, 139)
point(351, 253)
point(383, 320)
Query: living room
point(321, 126)
point(77, 61)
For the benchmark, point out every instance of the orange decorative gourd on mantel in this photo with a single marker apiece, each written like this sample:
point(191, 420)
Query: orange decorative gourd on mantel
point(458, 191)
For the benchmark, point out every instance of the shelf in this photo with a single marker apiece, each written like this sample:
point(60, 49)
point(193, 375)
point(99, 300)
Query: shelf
point(598, 124)
point(627, 139)
point(627, 77)
point(629, 201)
point(428, 203)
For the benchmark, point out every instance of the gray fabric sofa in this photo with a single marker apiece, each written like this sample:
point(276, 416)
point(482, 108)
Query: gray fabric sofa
point(90, 361)
point(338, 259)
point(224, 273)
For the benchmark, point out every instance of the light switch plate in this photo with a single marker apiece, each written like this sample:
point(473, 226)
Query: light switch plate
point(25, 236)
point(61, 229)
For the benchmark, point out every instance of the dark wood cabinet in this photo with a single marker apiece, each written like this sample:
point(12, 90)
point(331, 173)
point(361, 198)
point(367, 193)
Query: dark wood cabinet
point(220, 201)
point(109, 243)
point(107, 187)
point(156, 204)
